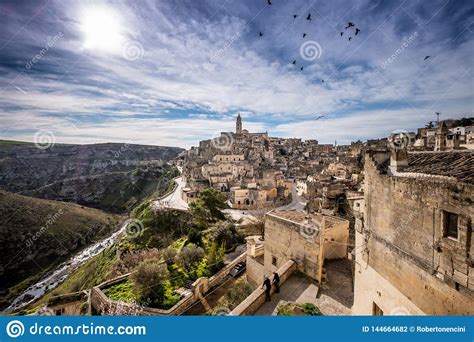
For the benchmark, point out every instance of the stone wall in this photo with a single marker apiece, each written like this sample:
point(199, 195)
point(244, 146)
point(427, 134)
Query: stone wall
point(71, 304)
point(255, 266)
point(257, 298)
point(284, 240)
point(100, 302)
point(403, 242)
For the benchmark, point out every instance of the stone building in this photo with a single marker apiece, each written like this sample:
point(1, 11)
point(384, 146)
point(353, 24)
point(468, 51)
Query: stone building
point(295, 235)
point(414, 250)
point(248, 198)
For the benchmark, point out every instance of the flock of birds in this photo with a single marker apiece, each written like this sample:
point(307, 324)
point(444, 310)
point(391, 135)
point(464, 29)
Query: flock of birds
point(308, 17)
point(350, 25)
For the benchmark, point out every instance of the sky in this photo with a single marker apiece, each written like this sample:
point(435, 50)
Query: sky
point(176, 72)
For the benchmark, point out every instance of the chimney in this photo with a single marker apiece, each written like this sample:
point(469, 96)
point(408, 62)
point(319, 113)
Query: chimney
point(398, 160)
point(441, 133)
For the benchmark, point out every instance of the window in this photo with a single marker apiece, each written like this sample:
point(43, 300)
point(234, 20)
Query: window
point(376, 310)
point(450, 222)
point(274, 260)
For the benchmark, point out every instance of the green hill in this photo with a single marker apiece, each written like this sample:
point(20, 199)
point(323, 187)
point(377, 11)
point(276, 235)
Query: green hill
point(38, 234)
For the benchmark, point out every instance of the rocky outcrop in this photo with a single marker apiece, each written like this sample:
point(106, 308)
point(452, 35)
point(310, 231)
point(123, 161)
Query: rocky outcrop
point(111, 177)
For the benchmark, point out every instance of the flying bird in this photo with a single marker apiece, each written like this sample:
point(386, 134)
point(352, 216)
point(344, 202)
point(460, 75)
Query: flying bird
point(426, 58)
point(357, 31)
point(294, 62)
point(320, 117)
point(301, 68)
point(304, 35)
point(294, 16)
point(260, 34)
point(269, 2)
point(308, 17)
point(322, 81)
point(342, 33)
point(350, 38)
point(349, 24)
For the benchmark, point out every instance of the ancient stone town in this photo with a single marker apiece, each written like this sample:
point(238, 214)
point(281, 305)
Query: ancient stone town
point(382, 227)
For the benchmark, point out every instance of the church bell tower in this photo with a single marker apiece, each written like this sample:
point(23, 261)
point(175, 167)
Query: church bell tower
point(238, 125)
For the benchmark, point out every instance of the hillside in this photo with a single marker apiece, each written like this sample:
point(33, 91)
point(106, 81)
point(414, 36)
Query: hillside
point(37, 234)
point(110, 177)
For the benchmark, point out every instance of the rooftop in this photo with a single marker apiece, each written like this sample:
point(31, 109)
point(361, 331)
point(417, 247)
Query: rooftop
point(456, 164)
point(300, 217)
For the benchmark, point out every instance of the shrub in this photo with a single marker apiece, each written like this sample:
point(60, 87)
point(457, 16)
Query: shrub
point(238, 293)
point(189, 257)
point(169, 255)
point(225, 233)
point(149, 281)
point(311, 309)
point(195, 236)
point(215, 258)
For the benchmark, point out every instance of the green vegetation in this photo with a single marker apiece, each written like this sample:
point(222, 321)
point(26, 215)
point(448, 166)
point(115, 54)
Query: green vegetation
point(311, 310)
point(293, 309)
point(122, 291)
point(149, 282)
point(215, 257)
point(172, 251)
point(238, 293)
point(207, 208)
point(46, 233)
point(161, 227)
point(225, 233)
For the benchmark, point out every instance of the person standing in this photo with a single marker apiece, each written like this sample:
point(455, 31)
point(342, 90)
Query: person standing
point(276, 282)
point(268, 286)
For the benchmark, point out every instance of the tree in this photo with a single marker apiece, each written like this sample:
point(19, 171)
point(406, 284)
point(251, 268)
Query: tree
point(199, 213)
point(225, 233)
point(169, 255)
point(195, 236)
point(189, 257)
point(257, 217)
point(149, 281)
point(215, 258)
point(208, 207)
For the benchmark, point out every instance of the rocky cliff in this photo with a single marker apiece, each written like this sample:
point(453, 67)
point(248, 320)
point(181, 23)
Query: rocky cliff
point(111, 177)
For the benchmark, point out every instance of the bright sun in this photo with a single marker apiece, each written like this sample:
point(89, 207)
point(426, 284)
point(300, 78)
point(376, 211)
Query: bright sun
point(102, 29)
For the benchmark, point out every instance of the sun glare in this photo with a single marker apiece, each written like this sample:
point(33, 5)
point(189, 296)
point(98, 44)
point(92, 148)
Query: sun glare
point(101, 27)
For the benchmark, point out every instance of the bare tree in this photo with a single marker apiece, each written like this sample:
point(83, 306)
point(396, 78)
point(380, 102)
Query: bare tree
point(257, 217)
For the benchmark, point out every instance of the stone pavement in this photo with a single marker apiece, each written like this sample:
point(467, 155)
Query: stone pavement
point(298, 288)
point(336, 295)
